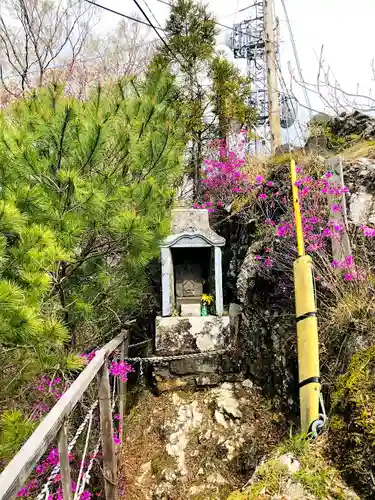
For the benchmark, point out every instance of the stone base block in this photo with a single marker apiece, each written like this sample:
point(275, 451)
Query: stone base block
point(182, 335)
point(191, 310)
point(198, 375)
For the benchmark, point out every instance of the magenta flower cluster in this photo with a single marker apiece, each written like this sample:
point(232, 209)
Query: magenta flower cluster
point(121, 369)
point(321, 216)
point(224, 173)
point(89, 355)
point(57, 387)
point(47, 385)
point(209, 205)
point(368, 231)
point(44, 468)
point(117, 431)
point(317, 219)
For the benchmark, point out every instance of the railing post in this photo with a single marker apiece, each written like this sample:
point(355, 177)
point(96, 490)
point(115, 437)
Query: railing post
point(341, 247)
point(123, 386)
point(66, 481)
point(106, 429)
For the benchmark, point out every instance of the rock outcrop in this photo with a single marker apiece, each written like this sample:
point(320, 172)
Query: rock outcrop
point(197, 445)
point(218, 444)
point(356, 124)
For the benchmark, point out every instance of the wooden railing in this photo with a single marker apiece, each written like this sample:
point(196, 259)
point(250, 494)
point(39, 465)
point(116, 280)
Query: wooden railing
point(17, 472)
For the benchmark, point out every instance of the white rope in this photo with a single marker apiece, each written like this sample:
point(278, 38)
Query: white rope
point(158, 359)
point(87, 476)
point(83, 425)
point(140, 343)
point(77, 495)
point(324, 414)
point(44, 493)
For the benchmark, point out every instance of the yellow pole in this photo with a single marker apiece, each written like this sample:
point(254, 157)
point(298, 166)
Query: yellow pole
point(307, 326)
point(297, 210)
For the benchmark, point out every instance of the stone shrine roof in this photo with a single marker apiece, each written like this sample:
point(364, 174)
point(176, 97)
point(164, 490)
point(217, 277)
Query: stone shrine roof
point(191, 228)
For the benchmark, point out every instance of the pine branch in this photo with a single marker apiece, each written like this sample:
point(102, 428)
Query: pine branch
point(68, 114)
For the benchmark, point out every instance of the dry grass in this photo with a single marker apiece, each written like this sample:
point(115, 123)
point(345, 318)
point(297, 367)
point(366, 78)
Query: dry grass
point(255, 166)
point(143, 443)
point(363, 149)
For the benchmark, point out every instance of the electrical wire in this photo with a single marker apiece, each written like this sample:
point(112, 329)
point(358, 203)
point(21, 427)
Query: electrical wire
point(237, 11)
point(294, 46)
point(155, 29)
point(300, 134)
point(122, 15)
point(199, 86)
point(152, 14)
point(235, 14)
point(148, 23)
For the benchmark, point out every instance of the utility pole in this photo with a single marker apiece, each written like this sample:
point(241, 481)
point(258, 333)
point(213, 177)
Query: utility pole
point(272, 82)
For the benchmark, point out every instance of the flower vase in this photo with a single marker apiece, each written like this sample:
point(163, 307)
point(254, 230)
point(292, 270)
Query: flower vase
point(204, 310)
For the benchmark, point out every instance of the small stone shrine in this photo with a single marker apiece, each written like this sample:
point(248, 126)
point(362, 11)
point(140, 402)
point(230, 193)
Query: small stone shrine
point(191, 262)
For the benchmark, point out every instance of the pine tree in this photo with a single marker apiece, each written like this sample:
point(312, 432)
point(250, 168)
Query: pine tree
point(191, 32)
point(86, 194)
point(230, 92)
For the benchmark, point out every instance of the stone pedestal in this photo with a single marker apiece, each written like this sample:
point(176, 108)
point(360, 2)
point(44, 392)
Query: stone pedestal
point(183, 335)
point(194, 335)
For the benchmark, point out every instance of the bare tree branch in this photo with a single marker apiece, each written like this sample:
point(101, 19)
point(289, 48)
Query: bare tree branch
point(330, 92)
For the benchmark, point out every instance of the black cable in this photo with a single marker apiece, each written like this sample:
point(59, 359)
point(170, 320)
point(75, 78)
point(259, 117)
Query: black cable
point(155, 29)
point(122, 15)
point(148, 23)
point(152, 14)
point(200, 88)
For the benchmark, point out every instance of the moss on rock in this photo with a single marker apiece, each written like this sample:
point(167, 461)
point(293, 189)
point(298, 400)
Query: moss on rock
point(352, 425)
point(297, 470)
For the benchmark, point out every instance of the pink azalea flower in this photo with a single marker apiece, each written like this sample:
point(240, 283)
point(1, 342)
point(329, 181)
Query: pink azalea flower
point(269, 222)
point(349, 260)
point(262, 196)
point(327, 233)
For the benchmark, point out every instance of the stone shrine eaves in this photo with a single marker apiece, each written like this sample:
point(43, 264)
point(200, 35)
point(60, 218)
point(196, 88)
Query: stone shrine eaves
point(191, 228)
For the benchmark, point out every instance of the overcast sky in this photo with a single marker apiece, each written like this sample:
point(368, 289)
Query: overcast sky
point(344, 27)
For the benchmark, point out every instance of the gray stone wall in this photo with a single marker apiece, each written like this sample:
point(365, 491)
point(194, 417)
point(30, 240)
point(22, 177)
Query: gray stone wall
point(203, 335)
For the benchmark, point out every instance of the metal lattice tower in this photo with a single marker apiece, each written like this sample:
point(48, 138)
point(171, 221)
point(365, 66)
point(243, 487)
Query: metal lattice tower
point(248, 42)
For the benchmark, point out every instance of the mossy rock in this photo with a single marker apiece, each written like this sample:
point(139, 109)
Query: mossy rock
point(297, 470)
point(352, 423)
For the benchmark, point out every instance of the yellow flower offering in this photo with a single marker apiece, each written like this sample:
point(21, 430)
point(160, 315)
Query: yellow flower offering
point(207, 299)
